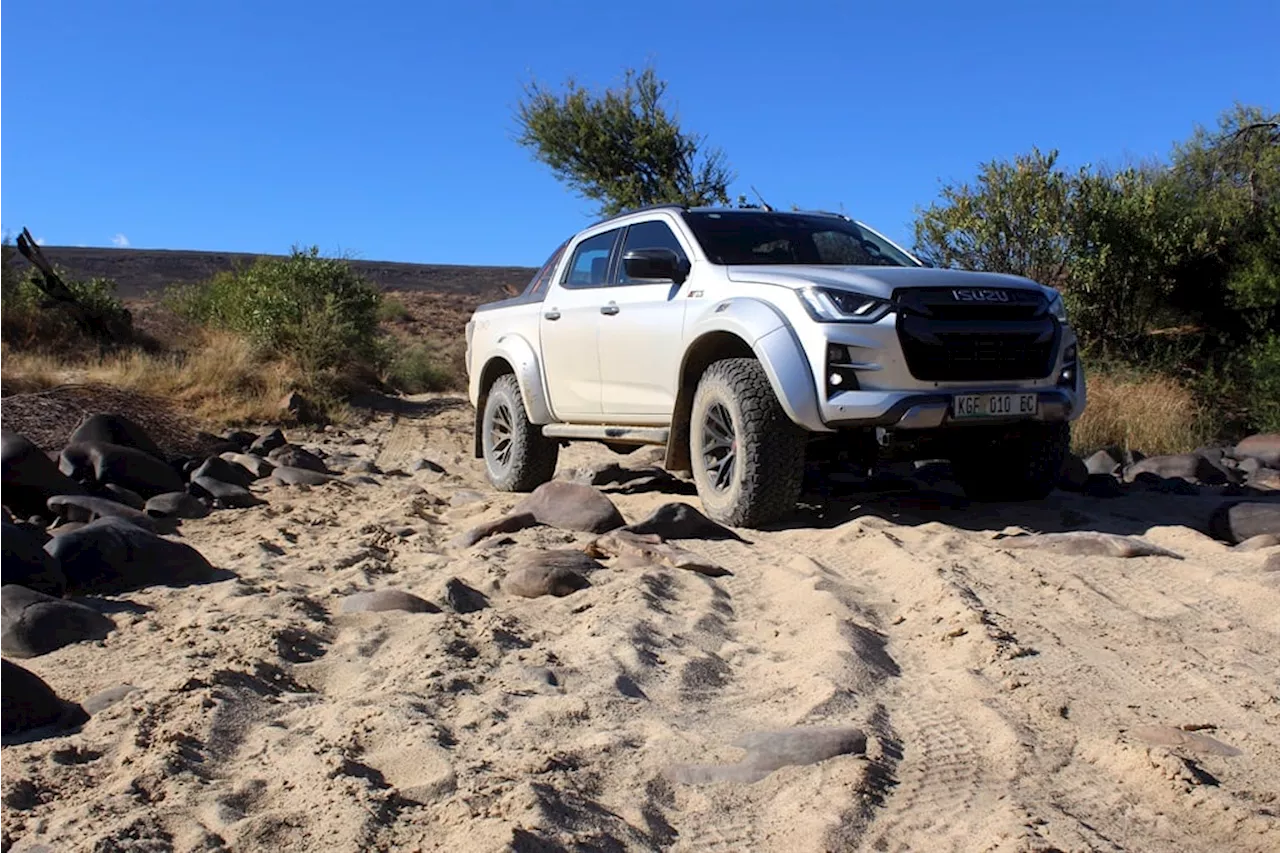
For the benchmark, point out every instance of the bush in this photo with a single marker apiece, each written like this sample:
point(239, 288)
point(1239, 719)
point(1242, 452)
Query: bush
point(32, 320)
point(392, 310)
point(416, 369)
point(315, 310)
point(1149, 412)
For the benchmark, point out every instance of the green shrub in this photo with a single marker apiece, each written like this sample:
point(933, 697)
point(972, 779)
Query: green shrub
point(392, 310)
point(416, 369)
point(1262, 384)
point(30, 319)
point(316, 310)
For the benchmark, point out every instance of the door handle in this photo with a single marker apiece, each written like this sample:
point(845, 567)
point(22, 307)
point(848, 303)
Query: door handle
point(610, 309)
point(553, 314)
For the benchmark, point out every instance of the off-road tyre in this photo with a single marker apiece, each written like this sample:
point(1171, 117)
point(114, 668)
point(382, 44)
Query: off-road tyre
point(1021, 463)
point(735, 412)
point(517, 456)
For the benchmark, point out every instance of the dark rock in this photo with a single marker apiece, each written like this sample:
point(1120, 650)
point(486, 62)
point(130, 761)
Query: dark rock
point(427, 465)
point(571, 506)
point(557, 573)
point(84, 508)
point(66, 527)
point(26, 562)
point(1263, 447)
point(30, 704)
point(218, 468)
point(506, 524)
point(255, 465)
point(297, 406)
point(1088, 544)
point(241, 438)
point(608, 474)
point(35, 624)
point(288, 476)
point(1249, 466)
point(681, 521)
point(380, 600)
point(30, 477)
point(263, 445)
point(1186, 466)
point(462, 598)
point(1074, 475)
point(363, 466)
point(1103, 486)
point(113, 555)
point(1166, 485)
point(361, 480)
point(1237, 522)
point(117, 430)
point(111, 463)
point(121, 495)
point(224, 495)
point(291, 456)
point(176, 505)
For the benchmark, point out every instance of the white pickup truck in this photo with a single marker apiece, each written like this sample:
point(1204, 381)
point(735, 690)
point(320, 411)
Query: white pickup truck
point(751, 342)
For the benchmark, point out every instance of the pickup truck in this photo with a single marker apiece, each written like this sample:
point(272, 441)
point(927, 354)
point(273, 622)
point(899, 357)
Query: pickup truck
point(756, 345)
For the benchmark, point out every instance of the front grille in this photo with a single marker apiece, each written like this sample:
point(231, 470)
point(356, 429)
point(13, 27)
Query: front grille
point(947, 341)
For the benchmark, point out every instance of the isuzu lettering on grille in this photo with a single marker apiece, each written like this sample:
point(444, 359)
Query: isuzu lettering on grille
point(971, 295)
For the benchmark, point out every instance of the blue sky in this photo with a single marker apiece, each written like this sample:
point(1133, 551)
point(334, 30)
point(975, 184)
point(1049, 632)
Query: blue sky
point(385, 130)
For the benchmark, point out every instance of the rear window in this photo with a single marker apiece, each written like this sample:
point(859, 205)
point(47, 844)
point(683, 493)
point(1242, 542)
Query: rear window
point(538, 284)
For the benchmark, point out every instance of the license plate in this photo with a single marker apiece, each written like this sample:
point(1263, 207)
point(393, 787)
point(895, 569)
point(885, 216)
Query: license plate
point(995, 405)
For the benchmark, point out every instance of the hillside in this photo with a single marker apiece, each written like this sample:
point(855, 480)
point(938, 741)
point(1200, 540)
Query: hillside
point(143, 272)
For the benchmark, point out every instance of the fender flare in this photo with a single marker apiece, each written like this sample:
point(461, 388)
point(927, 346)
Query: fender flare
point(517, 353)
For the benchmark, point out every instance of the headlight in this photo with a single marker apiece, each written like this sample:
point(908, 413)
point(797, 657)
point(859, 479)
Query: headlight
point(830, 305)
point(1057, 309)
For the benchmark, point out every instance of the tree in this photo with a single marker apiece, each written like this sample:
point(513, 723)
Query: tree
point(621, 148)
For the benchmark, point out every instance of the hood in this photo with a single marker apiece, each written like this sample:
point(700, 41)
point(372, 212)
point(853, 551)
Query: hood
point(876, 281)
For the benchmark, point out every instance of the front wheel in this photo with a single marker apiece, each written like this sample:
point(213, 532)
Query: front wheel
point(748, 457)
point(1018, 464)
point(517, 457)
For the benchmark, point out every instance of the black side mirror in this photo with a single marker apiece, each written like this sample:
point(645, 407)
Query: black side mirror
point(655, 265)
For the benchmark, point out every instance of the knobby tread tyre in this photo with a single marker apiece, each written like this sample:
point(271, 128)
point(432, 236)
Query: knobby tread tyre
point(1019, 466)
point(533, 456)
point(770, 447)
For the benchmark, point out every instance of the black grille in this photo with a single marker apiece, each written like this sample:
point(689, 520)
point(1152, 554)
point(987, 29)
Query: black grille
point(947, 340)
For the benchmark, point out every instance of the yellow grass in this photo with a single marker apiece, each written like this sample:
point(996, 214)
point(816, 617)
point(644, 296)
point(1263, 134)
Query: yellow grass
point(1151, 413)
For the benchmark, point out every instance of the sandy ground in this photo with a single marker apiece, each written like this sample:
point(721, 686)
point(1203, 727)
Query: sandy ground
point(1014, 699)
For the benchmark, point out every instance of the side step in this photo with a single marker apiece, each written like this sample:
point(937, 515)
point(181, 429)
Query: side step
point(610, 434)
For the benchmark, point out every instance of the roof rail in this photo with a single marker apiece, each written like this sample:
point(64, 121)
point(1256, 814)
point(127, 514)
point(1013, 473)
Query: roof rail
point(645, 209)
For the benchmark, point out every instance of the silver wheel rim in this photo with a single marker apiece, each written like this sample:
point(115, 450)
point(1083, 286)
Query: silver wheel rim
point(500, 436)
point(719, 447)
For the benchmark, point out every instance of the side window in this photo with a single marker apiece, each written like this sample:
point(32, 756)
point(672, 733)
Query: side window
point(648, 235)
point(590, 265)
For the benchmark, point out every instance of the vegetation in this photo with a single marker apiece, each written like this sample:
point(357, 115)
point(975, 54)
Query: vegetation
point(31, 319)
point(1167, 268)
point(1150, 412)
point(418, 368)
point(621, 149)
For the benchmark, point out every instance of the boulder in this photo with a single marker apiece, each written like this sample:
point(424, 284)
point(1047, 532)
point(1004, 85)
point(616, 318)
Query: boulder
point(463, 598)
point(681, 521)
point(176, 505)
point(102, 463)
point(1102, 462)
point(113, 555)
point(1088, 543)
point(30, 704)
point(242, 439)
point(381, 600)
point(225, 495)
point(1191, 467)
point(296, 406)
point(26, 562)
point(571, 506)
point(1240, 521)
point(117, 430)
point(264, 444)
point(427, 465)
point(255, 465)
point(1074, 474)
point(1263, 447)
point(218, 468)
point(287, 475)
point(30, 478)
point(32, 623)
point(1103, 486)
point(121, 495)
point(1265, 479)
point(292, 456)
point(557, 573)
point(507, 524)
point(83, 508)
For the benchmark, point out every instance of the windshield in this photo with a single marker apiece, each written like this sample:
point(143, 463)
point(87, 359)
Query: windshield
point(734, 237)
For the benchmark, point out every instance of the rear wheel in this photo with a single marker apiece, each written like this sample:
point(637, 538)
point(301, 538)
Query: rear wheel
point(748, 457)
point(1010, 464)
point(517, 457)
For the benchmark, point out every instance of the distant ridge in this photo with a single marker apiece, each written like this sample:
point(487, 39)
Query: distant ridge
point(140, 273)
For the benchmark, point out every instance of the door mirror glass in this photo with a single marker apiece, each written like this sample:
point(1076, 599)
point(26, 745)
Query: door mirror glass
point(655, 265)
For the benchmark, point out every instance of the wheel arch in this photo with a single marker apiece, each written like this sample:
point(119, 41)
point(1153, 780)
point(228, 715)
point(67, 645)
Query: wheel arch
point(513, 355)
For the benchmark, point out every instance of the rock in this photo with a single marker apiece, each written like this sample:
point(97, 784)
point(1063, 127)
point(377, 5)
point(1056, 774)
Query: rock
point(571, 506)
point(225, 495)
point(117, 430)
point(286, 475)
point(361, 480)
point(1263, 447)
point(104, 699)
point(1103, 486)
point(1088, 544)
point(218, 468)
point(26, 562)
point(111, 463)
point(30, 704)
point(649, 549)
point(298, 407)
point(241, 438)
point(32, 623)
point(120, 494)
point(1237, 522)
point(608, 474)
point(291, 456)
point(363, 466)
point(1265, 479)
point(463, 598)
point(30, 478)
point(66, 527)
point(255, 465)
point(113, 555)
point(1074, 475)
point(427, 465)
point(1166, 485)
point(1175, 738)
point(1257, 543)
point(381, 600)
point(681, 521)
point(176, 505)
point(462, 497)
point(1186, 466)
point(506, 524)
point(84, 508)
point(557, 573)
point(768, 751)
point(263, 445)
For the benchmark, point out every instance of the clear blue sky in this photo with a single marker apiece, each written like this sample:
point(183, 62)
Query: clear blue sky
point(386, 129)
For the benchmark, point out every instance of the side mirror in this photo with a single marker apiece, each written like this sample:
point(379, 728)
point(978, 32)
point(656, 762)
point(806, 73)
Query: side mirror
point(655, 265)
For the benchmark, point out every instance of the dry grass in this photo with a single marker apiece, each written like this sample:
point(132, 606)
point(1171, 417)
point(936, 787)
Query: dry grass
point(1150, 413)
